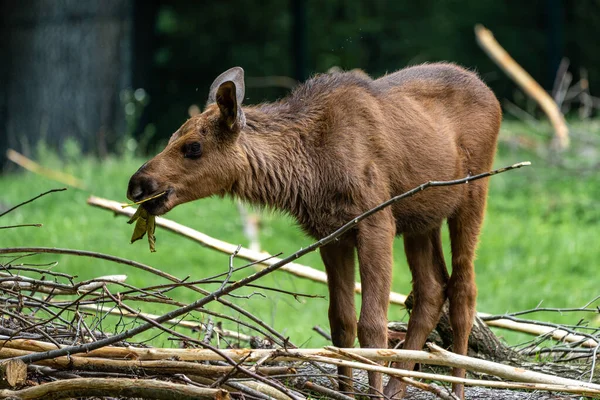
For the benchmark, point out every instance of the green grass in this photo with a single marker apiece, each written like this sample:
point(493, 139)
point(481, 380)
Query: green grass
point(539, 243)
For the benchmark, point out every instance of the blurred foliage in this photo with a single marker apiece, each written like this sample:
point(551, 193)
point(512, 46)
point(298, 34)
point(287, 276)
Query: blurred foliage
point(195, 41)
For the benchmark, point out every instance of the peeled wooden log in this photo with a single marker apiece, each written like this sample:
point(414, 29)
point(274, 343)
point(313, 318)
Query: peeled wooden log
point(120, 387)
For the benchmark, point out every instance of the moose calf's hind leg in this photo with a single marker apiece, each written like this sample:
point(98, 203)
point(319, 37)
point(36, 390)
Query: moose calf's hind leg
point(464, 229)
point(339, 264)
point(374, 244)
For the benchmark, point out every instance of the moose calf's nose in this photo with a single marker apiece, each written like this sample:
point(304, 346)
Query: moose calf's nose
point(140, 187)
point(134, 189)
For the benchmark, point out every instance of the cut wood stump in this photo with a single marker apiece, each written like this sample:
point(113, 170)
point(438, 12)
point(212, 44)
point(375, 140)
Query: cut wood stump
point(13, 373)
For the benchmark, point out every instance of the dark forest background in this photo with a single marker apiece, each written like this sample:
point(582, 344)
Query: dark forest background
point(70, 68)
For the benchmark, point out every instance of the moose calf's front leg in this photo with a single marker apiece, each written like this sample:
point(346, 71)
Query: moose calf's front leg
point(374, 243)
point(339, 263)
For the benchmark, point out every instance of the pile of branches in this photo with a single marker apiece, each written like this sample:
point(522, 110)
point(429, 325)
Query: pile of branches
point(62, 337)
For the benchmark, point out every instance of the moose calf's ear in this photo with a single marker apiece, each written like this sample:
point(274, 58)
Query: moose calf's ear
point(228, 92)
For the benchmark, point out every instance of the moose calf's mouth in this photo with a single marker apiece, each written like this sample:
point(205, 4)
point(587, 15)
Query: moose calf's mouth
point(157, 206)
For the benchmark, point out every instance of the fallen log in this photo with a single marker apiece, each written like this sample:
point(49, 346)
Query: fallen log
point(138, 367)
point(102, 387)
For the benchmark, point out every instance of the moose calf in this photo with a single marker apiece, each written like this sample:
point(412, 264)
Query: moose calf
point(337, 146)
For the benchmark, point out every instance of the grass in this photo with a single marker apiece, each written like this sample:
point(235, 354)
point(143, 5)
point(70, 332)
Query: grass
point(539, 243)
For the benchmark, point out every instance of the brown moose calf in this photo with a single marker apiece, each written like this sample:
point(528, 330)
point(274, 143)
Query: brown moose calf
point(337, 146)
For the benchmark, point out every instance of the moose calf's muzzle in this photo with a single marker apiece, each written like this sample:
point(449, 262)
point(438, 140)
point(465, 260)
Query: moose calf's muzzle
point(141, 187)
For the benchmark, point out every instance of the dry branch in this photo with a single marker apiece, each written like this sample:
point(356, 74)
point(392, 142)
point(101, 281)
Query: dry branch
point(138, 367)
point(181, 323)
point(36, 168)
point(577, 387)
point(488, 43)
point(31, 200)
point(101, 387)
point(251, 222)
point(82, 253)
point(25, 283)
point(255, 389)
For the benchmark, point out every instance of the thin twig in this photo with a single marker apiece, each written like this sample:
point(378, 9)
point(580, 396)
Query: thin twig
point(30, 200)
point(236, 364)
point(157, 272)
point(21, 226)
point(322, 332)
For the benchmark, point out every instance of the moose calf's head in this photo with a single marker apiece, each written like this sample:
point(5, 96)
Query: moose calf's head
point(203, 157)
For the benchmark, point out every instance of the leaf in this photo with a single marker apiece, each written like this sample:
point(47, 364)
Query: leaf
point(136, 215)
point(144, 223)
point(140, 229)
point(150, 227)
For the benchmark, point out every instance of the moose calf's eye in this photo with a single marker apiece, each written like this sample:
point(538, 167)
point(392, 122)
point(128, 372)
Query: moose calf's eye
point(192, 150)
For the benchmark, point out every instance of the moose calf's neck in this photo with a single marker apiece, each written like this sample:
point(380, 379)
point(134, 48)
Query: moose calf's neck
point(285, 168)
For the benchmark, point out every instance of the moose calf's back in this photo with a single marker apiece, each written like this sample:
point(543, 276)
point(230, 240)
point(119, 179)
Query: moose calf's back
point(380, 138)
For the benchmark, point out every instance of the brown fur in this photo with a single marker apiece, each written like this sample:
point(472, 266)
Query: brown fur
point(339, 145)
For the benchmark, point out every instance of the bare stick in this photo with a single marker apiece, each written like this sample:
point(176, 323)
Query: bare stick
point(439, 392)
point(101, 387)
point(55, 288)
point(136, 366)
point(488, 43)
point(555, 331)
point(322, 332)
point(329, 393)
point(575, 387)
point(185, 324)
point(559, 79)
point(36, 168)
point(21, 226)
point(251, 221)
point(30, 200)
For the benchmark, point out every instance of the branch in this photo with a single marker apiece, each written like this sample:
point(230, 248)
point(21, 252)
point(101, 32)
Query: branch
point(36, 168)
point(102, 387)
point(182, 323)
point(557, 385)
point(21, 226)
point(30, 200)
point(146, 367)
point(55, 288)
point(486, 41)
point(146, 268)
